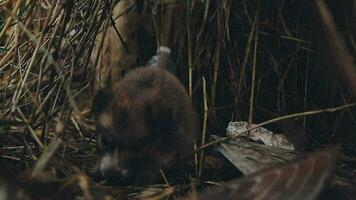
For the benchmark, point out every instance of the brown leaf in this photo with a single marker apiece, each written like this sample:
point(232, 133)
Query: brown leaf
point(301, 179)
point(250, 157)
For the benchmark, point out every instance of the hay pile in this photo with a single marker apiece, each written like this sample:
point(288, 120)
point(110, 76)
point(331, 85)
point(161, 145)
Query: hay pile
point(50, 58)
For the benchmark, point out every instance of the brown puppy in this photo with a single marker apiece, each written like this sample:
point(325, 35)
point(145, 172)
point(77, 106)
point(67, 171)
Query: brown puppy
point(143, 123)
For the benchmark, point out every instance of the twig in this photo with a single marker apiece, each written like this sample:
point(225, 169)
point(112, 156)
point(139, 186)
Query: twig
point(343, 58)
point(201, 163)
point(244, 63)
point(8, 21)
point(307, 113)
point(46, 156)
point(119, 35)
point(253, 76)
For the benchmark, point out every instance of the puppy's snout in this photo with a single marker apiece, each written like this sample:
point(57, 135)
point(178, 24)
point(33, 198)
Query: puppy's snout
point(110, 169)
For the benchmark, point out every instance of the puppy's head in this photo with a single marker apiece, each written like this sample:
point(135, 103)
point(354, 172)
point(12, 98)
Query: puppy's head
point(122, 133)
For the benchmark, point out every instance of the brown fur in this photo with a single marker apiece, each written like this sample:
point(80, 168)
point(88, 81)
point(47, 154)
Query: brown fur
point(145, 121)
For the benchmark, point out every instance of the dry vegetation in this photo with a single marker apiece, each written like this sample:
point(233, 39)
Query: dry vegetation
point(240, 60)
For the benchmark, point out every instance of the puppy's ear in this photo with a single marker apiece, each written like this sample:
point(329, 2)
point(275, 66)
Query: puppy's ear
point(101, 101)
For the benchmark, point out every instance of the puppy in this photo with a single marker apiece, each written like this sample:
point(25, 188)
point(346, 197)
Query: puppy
point(143, 122)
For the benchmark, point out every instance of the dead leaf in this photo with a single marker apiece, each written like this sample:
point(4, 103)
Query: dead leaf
point(250, 157)
point(303, 179)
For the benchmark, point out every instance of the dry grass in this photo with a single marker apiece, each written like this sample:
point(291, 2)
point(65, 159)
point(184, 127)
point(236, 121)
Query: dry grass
point(240, 60)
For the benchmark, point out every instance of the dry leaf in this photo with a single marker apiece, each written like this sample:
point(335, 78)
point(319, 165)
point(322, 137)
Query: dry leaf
point(302, 179)
point(250, 157)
